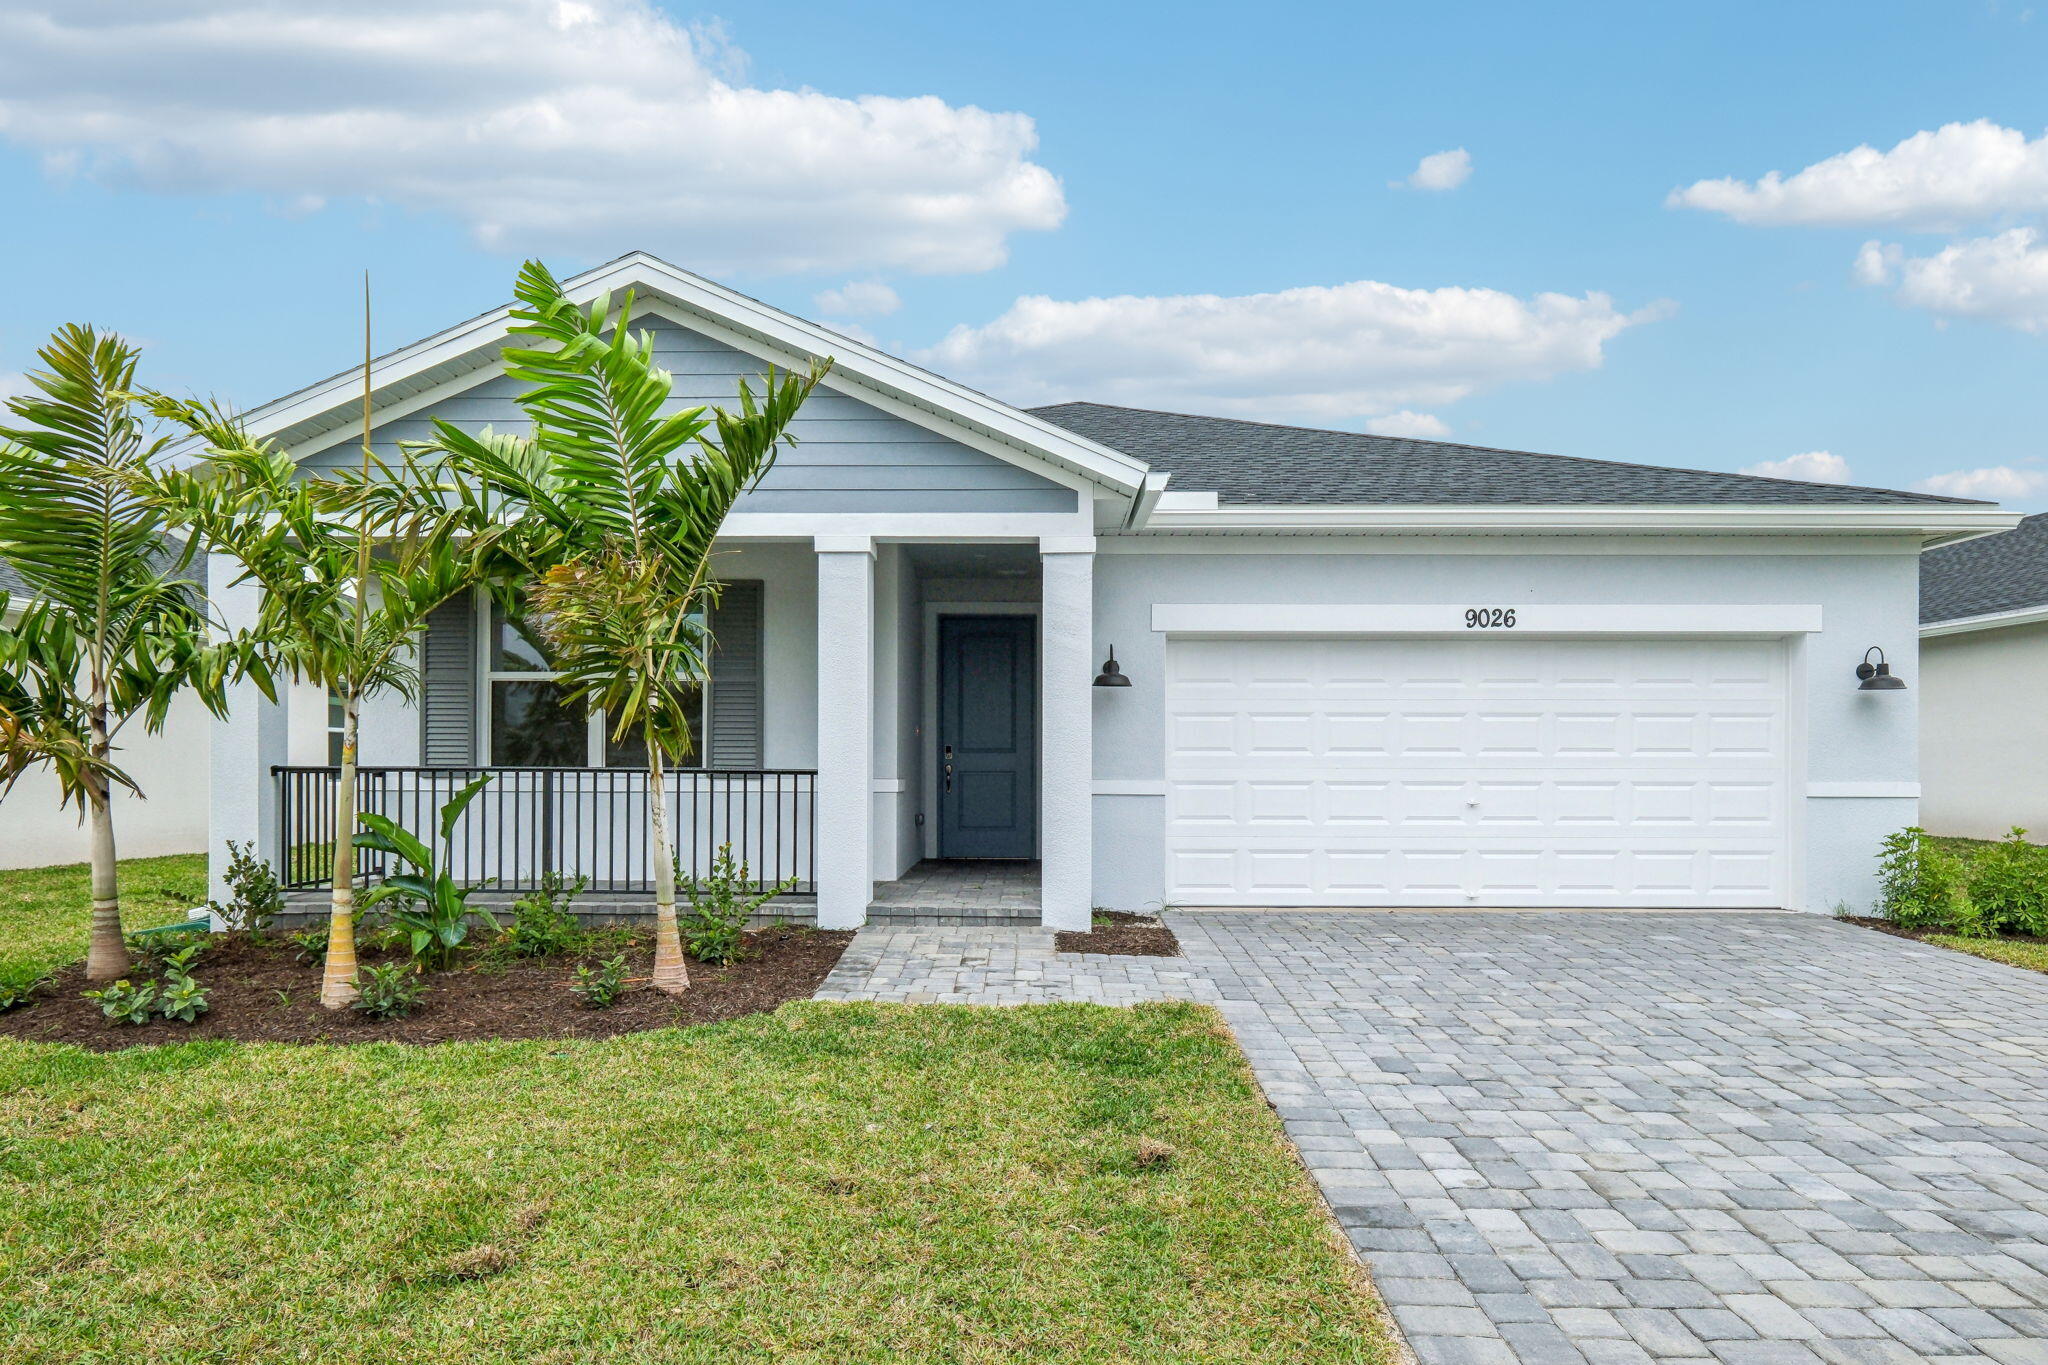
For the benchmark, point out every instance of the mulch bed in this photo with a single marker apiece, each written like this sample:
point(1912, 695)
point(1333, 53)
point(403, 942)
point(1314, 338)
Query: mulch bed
point(1885, 926)
point(1118, 931)
point(258, 992)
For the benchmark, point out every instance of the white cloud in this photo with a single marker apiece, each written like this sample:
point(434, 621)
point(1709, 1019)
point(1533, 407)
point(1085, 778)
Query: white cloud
point(1813, 466)
point(1995, 482)
point(1958, 173)
point(13, 384)
point(2003, 278)
point(1421, 426)
point(858, 298)
point(1440, 171)
point(1358, 350)
point(585, 126)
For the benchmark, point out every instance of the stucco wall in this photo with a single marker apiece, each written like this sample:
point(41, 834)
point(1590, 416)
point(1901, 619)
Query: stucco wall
point(1851, 737)
point(1984, 732)
point(171, 768)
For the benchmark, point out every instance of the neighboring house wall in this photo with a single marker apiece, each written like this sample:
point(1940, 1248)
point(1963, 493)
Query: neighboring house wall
point(1984, 732)
point(1854, 742)
point(847, 457)
point(170, 767)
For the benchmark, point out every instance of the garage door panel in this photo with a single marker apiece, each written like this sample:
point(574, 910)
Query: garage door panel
point(1498, 771)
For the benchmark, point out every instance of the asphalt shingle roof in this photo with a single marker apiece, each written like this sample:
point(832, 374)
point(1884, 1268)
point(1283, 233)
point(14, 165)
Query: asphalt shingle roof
point(1257, 462)
point(2005, 572)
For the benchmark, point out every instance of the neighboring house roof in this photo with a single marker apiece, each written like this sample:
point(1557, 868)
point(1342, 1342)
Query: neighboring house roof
point(2001, 579)
point(1259, 462)
point(12, 585)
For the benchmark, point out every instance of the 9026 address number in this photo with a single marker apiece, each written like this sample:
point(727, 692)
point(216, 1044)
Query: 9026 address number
point(1489, 618)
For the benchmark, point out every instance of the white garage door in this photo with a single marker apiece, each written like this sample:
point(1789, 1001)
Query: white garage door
point(1489, 771)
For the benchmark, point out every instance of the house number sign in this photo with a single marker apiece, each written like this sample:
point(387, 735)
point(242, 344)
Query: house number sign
point(1489, 618)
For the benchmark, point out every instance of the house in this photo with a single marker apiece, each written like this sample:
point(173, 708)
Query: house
point(1983, 651)
point(1347, 670)
point(170, 767)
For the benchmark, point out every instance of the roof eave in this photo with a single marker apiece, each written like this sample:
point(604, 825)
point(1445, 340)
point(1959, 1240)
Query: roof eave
point(1992, 620)
point(1933, 523)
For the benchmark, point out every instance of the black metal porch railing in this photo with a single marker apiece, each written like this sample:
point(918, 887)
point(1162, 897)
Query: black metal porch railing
point(578, 822)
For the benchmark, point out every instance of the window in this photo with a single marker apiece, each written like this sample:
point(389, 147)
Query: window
point(532, 724)
point(335, 717)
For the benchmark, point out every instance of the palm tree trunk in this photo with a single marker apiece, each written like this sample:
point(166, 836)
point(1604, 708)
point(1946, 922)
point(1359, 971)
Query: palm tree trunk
point(671, 974)
point(338, 981)
point(107, 956)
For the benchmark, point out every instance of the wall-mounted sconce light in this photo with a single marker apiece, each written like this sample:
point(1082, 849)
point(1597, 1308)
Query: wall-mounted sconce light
point(1112, 676)
point(1877, 677)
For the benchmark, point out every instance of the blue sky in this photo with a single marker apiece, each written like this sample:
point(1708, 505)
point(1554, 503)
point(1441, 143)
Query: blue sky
point(211, 177)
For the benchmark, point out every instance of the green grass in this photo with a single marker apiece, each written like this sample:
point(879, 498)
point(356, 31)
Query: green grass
point(44, 911)
point(2031, 953)
point(829, 1183)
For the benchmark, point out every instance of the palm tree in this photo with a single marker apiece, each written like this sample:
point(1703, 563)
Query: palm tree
point(616, 507)
point(350, 567)
point(112, 631)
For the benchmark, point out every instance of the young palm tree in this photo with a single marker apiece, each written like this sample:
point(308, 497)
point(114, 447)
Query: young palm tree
point(111, 632)
point(616, 507)
point(350, 568)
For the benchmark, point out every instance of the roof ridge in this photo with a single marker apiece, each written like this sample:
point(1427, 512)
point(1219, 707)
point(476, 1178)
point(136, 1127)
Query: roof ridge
point(1509, 450)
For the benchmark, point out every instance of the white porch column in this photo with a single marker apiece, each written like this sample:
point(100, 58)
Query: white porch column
point(1066, 651)
point(846, 730)
point(245, 744)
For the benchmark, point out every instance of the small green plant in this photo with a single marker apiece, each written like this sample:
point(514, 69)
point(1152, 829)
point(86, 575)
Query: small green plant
point(180, 997)
point(310, 943)
point(155, 945)
point(1920, 886)
point(541, 925)
point(389, 991)
point(253, 900)
point(18, 985)
point(2009, 887)
point(426, 903)
point(125, 1002)
point(721, 904)
point(600, 987)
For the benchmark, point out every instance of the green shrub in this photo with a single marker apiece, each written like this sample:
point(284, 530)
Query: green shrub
point(254, 899)
point(541, 925)
point(18, 985)
point(125, 1002)
point(311, 943)
point(156, 945)
point(1922, 887)
point(601, 986)
point(2008, 887)
point(427, 903)
point(181, 998)
point(720, 906)
point(391, 991)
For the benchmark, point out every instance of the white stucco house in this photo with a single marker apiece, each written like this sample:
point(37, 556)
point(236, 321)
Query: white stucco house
point(1361, 671)
point(1983, 653)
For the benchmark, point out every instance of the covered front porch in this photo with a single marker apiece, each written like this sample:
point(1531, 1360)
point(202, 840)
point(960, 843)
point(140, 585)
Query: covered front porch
point(899, 732)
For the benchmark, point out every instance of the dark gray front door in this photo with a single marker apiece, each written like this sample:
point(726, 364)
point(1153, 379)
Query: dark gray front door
point(988, 737)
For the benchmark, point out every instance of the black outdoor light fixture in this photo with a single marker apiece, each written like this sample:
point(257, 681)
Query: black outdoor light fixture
point(1112, 676)
point(1877, 677)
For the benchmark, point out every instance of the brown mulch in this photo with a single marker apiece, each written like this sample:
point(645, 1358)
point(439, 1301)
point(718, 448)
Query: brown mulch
point(1885, 926)
point(259, 992)
point(1118, 931)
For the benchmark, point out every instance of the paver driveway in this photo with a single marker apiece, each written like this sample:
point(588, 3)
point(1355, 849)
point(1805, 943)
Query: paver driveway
point(1630, 1137)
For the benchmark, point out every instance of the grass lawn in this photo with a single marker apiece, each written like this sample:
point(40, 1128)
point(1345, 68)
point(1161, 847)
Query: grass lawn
point(829, 1183)
point(44, 911)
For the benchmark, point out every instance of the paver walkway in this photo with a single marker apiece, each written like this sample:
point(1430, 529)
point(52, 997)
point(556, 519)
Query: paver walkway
point(1615, 1138)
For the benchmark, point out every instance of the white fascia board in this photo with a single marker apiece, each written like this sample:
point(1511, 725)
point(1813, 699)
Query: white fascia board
point(1301, 619)
point(1996, 620)
point(1935, 523)
point(874, 369)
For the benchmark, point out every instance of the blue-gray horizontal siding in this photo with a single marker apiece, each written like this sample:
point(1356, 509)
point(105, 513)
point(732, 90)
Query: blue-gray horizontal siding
point(848, 456)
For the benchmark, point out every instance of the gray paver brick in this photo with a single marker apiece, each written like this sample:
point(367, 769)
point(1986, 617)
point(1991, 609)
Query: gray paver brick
point(1614, 1137)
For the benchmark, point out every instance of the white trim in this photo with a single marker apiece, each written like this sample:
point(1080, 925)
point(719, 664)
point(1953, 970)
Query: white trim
point(1129, 786)
point(1115, 542)
point(931, 526)
point(887, 786)
point(1937, 523)
point(1272, 618)
point(1889, 791)
point(1995, 620)
point(696, 296)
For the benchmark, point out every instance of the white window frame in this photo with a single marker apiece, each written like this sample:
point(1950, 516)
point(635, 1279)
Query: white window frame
point(595, 737)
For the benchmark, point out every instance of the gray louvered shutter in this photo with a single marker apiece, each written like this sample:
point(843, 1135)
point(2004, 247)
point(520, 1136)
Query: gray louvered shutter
point(736, 677)
point(448, 686)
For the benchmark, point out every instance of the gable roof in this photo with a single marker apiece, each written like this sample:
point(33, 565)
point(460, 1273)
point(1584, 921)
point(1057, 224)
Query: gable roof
point(887, 381)
point(1262, 463)
point(1992, 575)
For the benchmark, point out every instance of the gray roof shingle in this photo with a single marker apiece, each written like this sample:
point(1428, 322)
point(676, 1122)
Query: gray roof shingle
point(1257, 462)
point(2005, 572)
